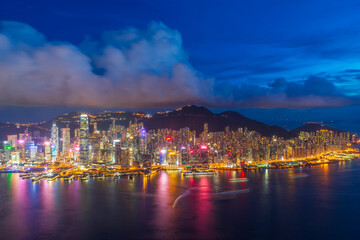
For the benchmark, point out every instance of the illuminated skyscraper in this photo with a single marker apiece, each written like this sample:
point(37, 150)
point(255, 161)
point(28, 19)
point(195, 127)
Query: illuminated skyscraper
point(13, 140)
point(65, 135)
point(143, 140)
point(47, 151)
point(113, 129)
point(76, 150)
point(33, 152)
point(54, 140)
point(204, 135)
point(95, 127)
point(84, 139)
point(118, 153)
point(206, 128)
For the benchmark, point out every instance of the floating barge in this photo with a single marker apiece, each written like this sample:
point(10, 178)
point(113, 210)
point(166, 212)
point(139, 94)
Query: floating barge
point(199, 173)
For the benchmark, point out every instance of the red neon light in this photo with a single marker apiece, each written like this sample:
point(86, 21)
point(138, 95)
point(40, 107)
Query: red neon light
point(168, 138)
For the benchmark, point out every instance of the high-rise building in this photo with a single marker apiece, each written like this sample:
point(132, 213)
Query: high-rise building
point(118, 153)
point(113, 129)
point(95, 127)
point(29, 150)
point(15, 157)
point(77, 132)
point(84, 139)
point(33, 152)
point(206, 128)
point(76, 150)
point(47, 151)
point(123, 157)
point(13, 140)
point(54, 141)
point(143, 140)
point(65, 135)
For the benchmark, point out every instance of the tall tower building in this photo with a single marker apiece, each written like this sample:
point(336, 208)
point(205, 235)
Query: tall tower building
point(65, 135)
point(54, 140)
point(206, 128)
point(84, 139)
point(204, 135)
point(13, 139)
point(95, 127)
point(113, 128)
point(143, 140)
point(76, 150)
point(47, 151)
point(118, 153)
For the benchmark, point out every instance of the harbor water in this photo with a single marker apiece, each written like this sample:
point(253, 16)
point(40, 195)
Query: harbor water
point(321, 202)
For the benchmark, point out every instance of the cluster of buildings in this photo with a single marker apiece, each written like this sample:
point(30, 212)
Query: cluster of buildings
point(134, 146)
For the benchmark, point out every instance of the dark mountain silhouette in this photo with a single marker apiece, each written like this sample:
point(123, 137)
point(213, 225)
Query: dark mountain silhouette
point(192, 117)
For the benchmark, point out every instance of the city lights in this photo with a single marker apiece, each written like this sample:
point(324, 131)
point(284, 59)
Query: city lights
point(134, 147)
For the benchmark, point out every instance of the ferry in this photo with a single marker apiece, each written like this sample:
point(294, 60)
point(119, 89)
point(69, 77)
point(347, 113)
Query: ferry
point(239, 180)
point(52, 178)
point(197, 173)
point(300, 175)
point(85, 177)
point(69, 178)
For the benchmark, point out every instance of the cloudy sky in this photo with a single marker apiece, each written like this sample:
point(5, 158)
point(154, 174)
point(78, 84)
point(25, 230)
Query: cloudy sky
point(281, 62)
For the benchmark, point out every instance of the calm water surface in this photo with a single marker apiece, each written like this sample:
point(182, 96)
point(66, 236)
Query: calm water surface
point(323, 205)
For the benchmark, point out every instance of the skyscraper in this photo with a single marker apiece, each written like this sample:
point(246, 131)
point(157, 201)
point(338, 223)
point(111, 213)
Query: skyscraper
point(47, 151)
point(54, 140)
point(13, 139)
point(143, 140)
point(84, 139)
point(118, 153)
point(95, 127)
point(65, 135)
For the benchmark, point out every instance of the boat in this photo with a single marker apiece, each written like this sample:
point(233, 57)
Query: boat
point(300, 175)
point(239, 180)
point(197, 172)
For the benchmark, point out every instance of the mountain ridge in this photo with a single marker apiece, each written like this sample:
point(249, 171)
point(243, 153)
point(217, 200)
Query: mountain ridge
point(191, 116)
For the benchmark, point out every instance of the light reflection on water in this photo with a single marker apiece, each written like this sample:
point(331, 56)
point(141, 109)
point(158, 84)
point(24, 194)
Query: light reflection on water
point(278, 205)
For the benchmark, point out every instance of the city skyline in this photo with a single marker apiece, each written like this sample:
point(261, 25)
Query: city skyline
point(181, 119)
point(145, 115)
point(230, 147)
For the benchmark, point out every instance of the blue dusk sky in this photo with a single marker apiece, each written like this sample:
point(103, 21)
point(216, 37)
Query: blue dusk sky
point(280, 62)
